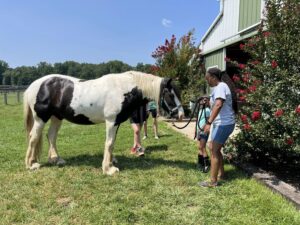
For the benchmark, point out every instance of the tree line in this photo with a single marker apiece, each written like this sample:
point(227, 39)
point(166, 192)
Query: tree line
point(24, 75)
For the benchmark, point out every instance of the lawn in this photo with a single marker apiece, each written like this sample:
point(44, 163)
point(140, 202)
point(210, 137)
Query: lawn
point(160, 188)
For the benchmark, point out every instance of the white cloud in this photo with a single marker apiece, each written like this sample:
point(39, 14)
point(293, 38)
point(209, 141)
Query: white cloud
point(166, 23)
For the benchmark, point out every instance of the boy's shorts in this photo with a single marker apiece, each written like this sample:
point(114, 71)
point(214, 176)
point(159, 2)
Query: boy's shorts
point(221, 133)
point(201, 135)
point(153, 113)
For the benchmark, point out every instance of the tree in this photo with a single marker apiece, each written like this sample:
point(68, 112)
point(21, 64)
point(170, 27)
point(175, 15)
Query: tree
point(44, 68)
point(269, 86)
point(146, 68)
point(24, 75)
point(3, 68)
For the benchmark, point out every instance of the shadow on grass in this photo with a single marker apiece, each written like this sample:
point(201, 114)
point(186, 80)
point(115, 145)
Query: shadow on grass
point(165, 135)
point(144, 163)
point(128, 162)
point(156, 148)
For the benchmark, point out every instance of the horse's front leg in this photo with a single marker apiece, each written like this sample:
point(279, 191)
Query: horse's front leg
point(107, 164)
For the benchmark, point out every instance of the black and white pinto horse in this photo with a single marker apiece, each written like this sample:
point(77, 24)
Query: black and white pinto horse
point(111, 98)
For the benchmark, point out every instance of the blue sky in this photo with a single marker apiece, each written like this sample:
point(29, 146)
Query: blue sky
point(96, 31)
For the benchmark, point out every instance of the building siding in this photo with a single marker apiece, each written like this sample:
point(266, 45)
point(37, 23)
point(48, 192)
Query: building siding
point(215, 59)
point(250, 13)
point(237, 15)
point(226, 27)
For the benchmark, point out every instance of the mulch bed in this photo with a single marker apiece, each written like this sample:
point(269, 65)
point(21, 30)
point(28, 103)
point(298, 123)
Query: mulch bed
point(288, 170)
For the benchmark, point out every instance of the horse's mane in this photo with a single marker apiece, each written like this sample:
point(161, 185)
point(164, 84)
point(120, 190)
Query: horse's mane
point(148, 83)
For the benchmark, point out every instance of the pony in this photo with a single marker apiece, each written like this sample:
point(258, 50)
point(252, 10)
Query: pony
point(111, 98)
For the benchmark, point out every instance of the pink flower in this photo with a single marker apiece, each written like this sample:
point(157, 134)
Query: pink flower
point(297, 110)
point(154, 69)
point(236, 78)
point(256, 62)
point(227, 59)
point(256, 82)
point(242, 98)
point(242, 66)
point(278, 113)
point(289, 141)
point(266, 34)
point(244, 118)
point(255, 115)
point(242, 46)
point(247, 126)
point(274, 64)
point(242, 91)
point(246, 78)
point(252, 88)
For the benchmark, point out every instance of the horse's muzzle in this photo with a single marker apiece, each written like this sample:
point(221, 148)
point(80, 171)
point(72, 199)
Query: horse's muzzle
point(180, 115)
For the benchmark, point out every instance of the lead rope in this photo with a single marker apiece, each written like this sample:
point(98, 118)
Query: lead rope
point(196, 108)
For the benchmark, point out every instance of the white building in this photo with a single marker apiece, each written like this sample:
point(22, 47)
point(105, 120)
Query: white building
point(237, 21)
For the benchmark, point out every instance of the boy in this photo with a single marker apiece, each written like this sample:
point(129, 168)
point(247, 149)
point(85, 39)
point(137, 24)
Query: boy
point(204, 113)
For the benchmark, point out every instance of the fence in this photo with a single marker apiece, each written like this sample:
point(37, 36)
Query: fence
point(6, 89)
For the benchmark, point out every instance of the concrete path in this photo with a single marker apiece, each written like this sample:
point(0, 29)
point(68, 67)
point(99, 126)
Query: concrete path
point(189, 131)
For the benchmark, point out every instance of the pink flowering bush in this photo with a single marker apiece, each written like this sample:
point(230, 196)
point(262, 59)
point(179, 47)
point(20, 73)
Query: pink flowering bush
point(269, 86)
point(180, 59)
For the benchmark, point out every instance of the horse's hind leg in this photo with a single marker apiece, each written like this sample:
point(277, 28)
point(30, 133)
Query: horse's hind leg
point(107, 166)
point(53, 157)
point(35, 144)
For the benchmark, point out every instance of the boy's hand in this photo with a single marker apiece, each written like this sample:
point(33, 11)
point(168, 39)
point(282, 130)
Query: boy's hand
point(206, 128)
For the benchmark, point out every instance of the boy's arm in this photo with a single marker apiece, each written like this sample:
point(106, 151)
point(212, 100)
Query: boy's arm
point(214, 113)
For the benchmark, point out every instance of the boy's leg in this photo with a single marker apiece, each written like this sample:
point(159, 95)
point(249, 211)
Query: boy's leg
point(203, 152)
point(200, 156)
point(155, 123)
point(145, 130)
point(136, 135)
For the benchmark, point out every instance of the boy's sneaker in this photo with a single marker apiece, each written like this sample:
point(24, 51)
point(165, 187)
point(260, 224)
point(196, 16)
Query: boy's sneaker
point(145, 137)
point(208, 184)
point(138, 151)
point(156, 137)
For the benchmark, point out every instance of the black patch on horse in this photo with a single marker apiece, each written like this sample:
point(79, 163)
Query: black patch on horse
point(54, 98)
point(132, 101)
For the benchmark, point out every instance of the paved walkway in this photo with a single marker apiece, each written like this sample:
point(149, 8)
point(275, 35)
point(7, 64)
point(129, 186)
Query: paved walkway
point(189, 131)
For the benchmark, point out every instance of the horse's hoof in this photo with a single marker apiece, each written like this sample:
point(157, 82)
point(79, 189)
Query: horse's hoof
point(60, 162)
point(111, 171)
point(57, 161)
point(114, 160)
point(35, 166)
point(53, 160)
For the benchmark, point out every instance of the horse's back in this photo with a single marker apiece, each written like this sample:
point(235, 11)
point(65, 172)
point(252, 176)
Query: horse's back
point(52, 95)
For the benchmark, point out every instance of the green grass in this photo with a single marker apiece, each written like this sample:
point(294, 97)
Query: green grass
point(160, 188)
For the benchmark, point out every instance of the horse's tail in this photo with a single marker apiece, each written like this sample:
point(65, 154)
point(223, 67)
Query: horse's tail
point(28, 117)
point(29, 122)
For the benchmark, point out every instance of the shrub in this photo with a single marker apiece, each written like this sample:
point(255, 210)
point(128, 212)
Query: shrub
point(269, 86)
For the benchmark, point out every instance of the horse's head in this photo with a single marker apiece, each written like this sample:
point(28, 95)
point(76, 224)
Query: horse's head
point(170, 99)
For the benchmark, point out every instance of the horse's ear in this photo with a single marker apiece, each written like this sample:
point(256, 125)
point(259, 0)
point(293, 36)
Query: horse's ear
point(167, 82)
